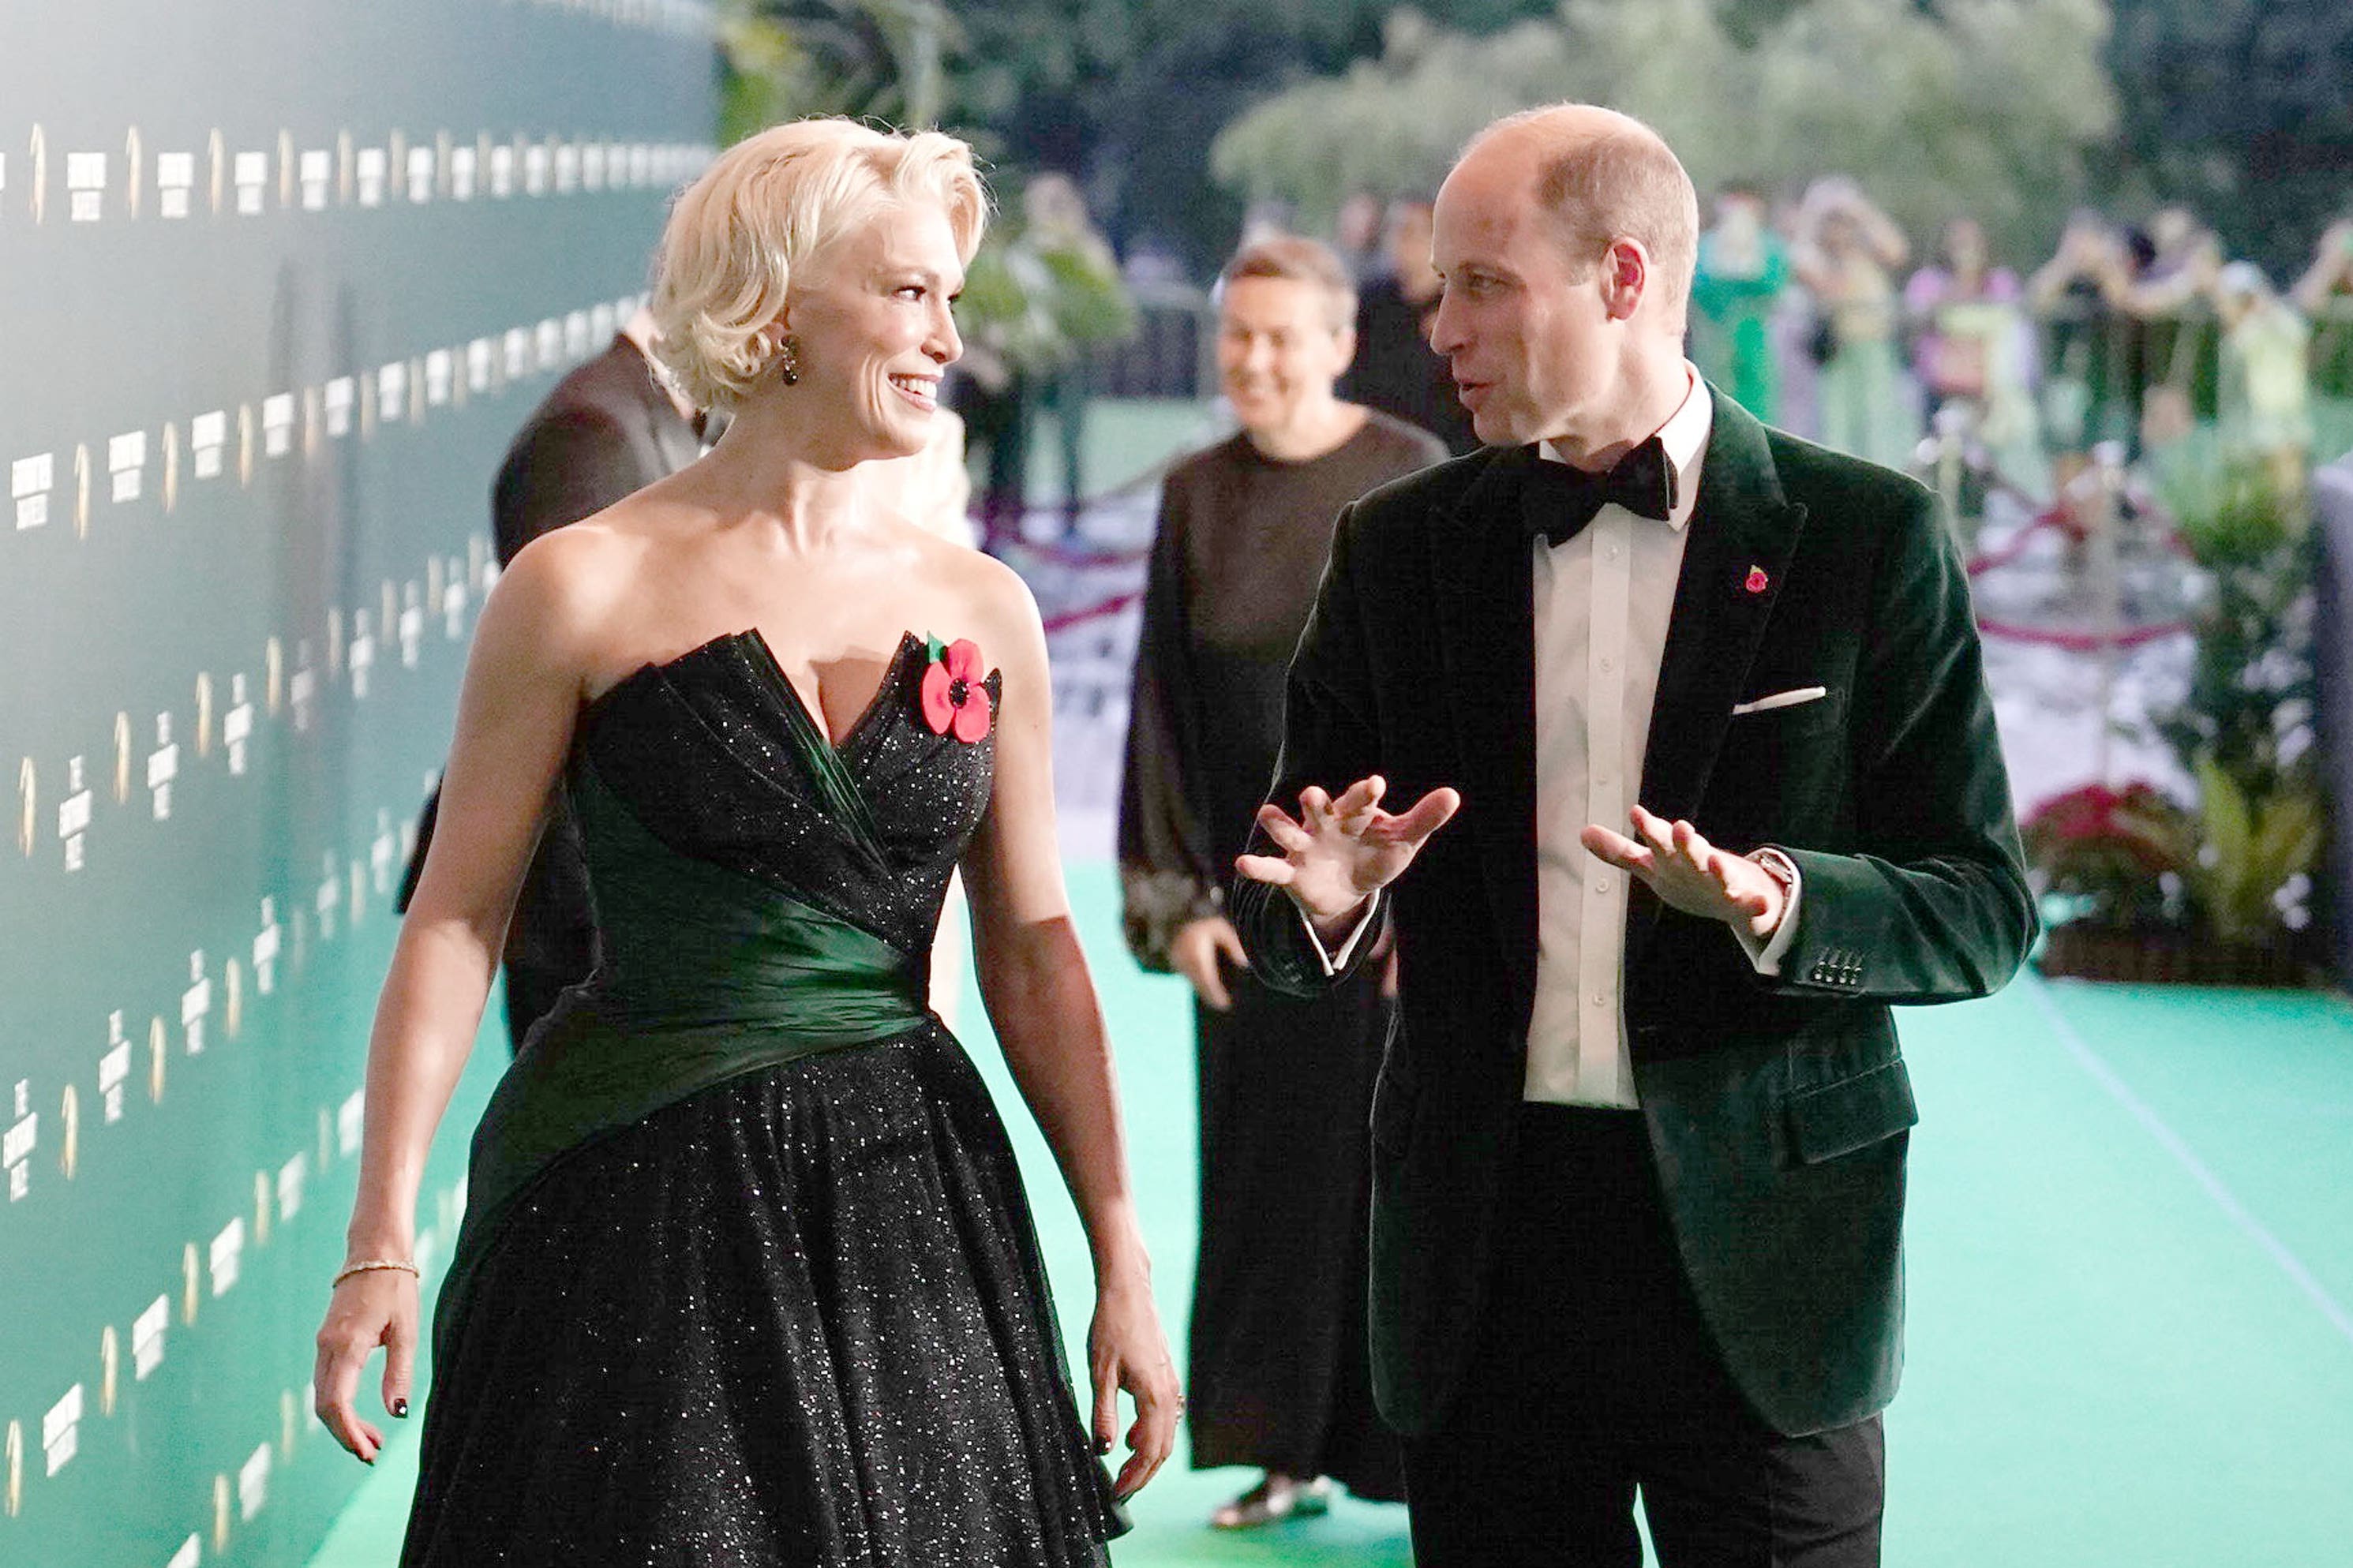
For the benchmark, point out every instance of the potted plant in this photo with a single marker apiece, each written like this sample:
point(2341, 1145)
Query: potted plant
point(2142, 887)
point(2111, 864)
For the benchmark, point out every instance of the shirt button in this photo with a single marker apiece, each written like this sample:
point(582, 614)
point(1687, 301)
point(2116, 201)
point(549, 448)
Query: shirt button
point(1601, 884)
point(1602, 998)
point(1611, 553)
point(1607, 665)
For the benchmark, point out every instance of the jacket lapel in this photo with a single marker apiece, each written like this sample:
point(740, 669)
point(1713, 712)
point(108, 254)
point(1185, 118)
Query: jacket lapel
point(1486, 621)
point(1741, 526)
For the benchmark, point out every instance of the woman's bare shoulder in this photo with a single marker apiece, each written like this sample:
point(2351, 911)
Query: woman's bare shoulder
point(579, 564)
point(568, 586)
point(1001, 610)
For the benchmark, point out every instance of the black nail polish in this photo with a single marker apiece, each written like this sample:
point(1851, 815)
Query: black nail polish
point(400, 1408)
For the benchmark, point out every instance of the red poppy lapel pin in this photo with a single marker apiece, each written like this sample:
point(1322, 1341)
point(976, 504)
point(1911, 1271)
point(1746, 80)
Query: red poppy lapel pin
point(1757, 582)
point(956, 702)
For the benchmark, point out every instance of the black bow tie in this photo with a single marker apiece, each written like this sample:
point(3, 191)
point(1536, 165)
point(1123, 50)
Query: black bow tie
point(1560, 500)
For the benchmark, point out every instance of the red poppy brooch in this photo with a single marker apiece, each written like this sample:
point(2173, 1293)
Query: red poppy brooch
point(956, 702)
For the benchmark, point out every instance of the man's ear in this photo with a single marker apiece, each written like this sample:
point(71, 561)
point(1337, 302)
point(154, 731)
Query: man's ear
point(1345, 341)
point(1625, 278)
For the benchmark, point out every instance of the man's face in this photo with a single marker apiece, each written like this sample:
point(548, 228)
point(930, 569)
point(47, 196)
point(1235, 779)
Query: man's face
point(1520, 322)
point(1278, 349)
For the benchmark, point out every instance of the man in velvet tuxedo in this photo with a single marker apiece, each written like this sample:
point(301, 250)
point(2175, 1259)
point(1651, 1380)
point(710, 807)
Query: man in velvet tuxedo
point(1707, 702)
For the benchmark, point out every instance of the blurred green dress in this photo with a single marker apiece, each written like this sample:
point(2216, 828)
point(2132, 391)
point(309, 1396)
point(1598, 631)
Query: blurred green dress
point(1733, 299)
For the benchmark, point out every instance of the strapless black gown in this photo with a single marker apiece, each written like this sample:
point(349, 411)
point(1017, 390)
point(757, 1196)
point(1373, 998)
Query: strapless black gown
point(747, 1278)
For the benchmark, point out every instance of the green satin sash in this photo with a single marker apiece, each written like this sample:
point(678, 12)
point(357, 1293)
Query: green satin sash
point(707, 973)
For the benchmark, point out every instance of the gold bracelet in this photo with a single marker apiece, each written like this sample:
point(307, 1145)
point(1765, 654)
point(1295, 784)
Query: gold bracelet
point(371, 1264)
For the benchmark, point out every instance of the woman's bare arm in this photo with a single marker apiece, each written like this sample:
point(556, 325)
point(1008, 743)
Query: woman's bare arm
point(1043, 1005)
point(515, 713)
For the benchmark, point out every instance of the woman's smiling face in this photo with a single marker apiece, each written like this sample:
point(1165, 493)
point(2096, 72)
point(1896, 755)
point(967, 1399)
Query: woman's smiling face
point(872, 329)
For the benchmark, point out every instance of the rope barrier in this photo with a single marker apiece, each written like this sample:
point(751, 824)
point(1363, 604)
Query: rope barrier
point(1062, 554)
point(1108, 607)
point(2082, 642)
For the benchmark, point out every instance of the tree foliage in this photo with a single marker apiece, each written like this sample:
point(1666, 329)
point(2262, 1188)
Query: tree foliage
point(2242, 108)
point(1978, 107)
point(1127, 95)
point(784, 59)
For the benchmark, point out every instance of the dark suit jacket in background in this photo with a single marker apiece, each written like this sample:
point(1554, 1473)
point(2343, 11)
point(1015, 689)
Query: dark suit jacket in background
point(1396, 371)
point(1777, 1109)
point(607, 431)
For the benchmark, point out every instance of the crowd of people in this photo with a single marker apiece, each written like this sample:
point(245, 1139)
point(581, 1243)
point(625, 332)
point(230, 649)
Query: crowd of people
point(1819, 313)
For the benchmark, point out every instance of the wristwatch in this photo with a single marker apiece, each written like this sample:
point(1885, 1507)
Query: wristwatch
point(1783, 870)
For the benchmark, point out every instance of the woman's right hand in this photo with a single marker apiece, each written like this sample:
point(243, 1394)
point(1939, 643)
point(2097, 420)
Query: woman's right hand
point(377, 1308)
point(1196, 951)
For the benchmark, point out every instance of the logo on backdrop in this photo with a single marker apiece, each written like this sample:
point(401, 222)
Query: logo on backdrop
point(113, 1069)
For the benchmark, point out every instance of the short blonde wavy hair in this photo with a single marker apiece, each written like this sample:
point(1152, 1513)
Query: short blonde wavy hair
point(765, 208)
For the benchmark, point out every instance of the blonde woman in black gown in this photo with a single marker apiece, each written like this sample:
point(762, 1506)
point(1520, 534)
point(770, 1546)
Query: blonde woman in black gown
point(746, 1276)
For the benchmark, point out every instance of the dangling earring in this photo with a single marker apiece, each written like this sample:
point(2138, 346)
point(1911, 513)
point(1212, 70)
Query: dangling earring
point(788, 361)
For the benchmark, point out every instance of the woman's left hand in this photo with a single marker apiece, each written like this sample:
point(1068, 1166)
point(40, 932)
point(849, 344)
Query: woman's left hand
point(1125, 1349)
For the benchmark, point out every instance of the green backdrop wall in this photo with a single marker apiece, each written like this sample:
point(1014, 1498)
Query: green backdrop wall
point(277, 280)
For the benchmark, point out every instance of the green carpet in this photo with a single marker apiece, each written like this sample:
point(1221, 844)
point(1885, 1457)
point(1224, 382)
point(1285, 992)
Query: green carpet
point(2131, 1255)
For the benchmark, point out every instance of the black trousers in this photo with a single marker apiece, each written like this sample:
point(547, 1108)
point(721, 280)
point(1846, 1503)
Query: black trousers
point(1593, 1379)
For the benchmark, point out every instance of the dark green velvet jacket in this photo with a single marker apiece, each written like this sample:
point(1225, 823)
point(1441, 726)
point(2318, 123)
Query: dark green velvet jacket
point(1777, 1108)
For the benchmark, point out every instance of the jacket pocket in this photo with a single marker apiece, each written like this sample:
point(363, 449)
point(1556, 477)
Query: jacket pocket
point(1851, 1114)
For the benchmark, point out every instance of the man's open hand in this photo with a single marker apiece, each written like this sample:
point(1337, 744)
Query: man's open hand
point(1690, 874)
point(1341, 852)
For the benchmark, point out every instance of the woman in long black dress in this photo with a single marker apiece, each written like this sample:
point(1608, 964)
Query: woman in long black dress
point(1277, 1370)
point(746, 1276)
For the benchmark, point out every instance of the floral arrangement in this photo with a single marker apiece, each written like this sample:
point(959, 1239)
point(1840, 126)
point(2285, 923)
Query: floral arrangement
point(2117, 857)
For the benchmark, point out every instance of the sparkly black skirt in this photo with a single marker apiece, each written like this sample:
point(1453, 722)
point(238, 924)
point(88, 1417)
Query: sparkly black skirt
point(795, 1320)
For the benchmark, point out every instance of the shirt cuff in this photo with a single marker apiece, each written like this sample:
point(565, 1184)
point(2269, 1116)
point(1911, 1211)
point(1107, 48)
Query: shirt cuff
point(1765, 953)
point(1335, 962)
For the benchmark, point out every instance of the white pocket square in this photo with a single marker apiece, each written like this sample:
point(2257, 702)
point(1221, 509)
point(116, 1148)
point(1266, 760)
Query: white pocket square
point(1781, 699)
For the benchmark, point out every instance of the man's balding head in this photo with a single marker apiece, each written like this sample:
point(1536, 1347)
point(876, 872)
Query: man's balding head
point(1565, 239)
point(1605, 177)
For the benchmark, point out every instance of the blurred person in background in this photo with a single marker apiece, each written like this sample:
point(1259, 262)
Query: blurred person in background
point(1357, 237)
point(608, 429)
point(1041, 292)
point(1847, 258)
point(2325, 294)
point(2266, 396)
point(1090, 307)
point(1278, 1365)
point(2173, 340)
point(1743, 269)
point(1394, 370)
point(1972, 348)
point(2077, 298)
